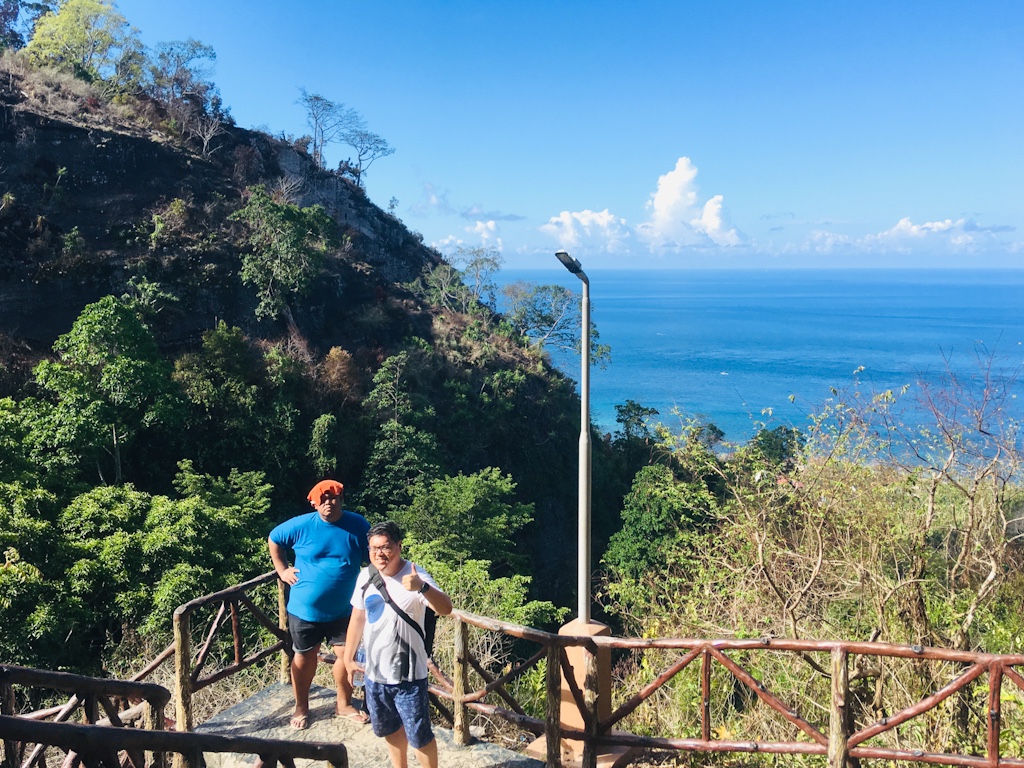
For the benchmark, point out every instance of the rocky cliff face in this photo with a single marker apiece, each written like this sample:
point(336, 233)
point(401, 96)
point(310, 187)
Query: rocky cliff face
point(89, 203)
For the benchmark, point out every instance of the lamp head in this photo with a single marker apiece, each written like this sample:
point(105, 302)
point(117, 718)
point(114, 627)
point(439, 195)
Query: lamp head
point(573, 265)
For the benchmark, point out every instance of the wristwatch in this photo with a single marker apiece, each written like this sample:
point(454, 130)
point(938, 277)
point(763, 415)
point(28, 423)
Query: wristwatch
point(425, 588)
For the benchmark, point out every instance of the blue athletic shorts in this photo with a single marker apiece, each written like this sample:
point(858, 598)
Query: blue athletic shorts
point(394, 705)
point(307, 635)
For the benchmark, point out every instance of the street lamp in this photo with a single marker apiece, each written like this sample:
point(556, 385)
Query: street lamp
point(583, 534)
point(577, 654)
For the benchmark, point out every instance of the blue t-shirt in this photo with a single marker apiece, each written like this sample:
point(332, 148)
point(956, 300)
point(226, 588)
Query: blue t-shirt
point(328, 557)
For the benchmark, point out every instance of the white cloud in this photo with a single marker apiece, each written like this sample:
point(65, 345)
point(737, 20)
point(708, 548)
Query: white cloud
point(476, 212)
point(485, 234)
point(488, 234)
point(447, 244)
point(595, 231)
point(714, 224)
point(677, 217)
point(827, 242)
point(905, 228)
point(935, 237)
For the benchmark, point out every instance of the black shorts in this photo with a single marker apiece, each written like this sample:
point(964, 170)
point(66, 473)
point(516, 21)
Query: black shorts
point(307, 635)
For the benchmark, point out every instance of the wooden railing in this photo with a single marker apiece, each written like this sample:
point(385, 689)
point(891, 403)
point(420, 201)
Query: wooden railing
point(228, 603)
point(95, 747)
point(828, 726)
point(833, 733)
point(124, 703)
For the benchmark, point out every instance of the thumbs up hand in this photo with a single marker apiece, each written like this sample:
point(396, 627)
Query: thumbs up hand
point(412, 581)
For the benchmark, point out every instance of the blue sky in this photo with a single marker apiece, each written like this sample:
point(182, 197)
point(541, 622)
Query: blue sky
point(656, 134)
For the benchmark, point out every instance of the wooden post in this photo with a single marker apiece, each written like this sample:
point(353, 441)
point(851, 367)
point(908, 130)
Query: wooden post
point(236, 631)
point(11, 747)
point(282, 622)
point(553, 728)
point(153, 720)
point(183, 684)
point(6, 696)
point(90, 709)
point(460, 682)
point(837, 730)
point(705, 696)
point(592, 716)
point(995, 684)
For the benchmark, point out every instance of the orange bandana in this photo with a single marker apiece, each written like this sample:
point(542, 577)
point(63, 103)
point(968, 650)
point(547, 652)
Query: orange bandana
point(324, 486)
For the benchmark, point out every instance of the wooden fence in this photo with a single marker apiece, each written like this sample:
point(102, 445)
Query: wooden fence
point(125, 703)
point(95, 746)
point(835, 736)
point(828, 728)
point(229, 603)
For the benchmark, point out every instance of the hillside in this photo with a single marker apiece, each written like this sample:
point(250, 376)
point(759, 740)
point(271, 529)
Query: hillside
point(85, 186)
point(361, 376)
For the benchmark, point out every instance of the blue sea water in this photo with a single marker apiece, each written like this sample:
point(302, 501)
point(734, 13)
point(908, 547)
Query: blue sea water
point(733, 346)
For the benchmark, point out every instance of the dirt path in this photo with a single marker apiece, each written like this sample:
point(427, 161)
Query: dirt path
point(266, 715)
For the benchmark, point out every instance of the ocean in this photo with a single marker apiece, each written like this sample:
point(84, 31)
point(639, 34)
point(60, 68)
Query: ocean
point(733, 346)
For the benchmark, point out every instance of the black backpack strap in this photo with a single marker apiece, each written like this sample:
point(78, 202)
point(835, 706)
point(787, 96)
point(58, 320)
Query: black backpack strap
point(378, 581)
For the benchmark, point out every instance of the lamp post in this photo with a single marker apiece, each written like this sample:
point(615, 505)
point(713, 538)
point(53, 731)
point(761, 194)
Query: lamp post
point(583, 533)
point(579, 658)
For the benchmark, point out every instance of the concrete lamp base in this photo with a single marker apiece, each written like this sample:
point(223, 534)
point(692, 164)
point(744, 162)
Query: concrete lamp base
point(572, 749)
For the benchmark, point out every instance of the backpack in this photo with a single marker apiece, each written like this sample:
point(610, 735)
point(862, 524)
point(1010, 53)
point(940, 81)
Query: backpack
point(426, 632)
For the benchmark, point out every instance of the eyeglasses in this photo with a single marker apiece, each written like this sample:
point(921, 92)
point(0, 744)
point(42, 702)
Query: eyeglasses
point(385, 548)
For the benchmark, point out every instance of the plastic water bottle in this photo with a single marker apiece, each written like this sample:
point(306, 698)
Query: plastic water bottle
point(357, 678)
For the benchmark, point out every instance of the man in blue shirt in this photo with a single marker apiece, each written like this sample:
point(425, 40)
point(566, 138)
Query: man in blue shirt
point(328, 548)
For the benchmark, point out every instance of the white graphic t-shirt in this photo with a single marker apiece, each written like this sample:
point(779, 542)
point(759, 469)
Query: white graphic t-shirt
point(394, 650)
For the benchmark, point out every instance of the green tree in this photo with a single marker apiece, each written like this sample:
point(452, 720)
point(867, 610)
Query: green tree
point(633, 445)
point(405, 449)
point(633, 417)
point(369, 147)
point(328, 122)
point(659, 514)
point(139, 556)
point(40, 622)
point(468, 517)
point(549, 315)
point(16, 464)
point(401, 454)
point(108, 384)
point(479, 267)
point(463, 283)
point(781, 446)
point(288, 244)
point(180, 73)
point(180, 77)
point(320, 442)
point(89, 39)
point(442, 286)
point(243, 405)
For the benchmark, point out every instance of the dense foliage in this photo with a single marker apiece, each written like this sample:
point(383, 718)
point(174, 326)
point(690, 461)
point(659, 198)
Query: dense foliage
point(100, 546)
point(288, 247)
point(862, 527)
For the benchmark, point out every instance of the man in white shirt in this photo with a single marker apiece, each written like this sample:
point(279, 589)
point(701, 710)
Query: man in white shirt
point(388, 615)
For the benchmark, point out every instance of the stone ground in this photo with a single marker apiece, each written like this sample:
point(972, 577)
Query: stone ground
point(267, 713)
